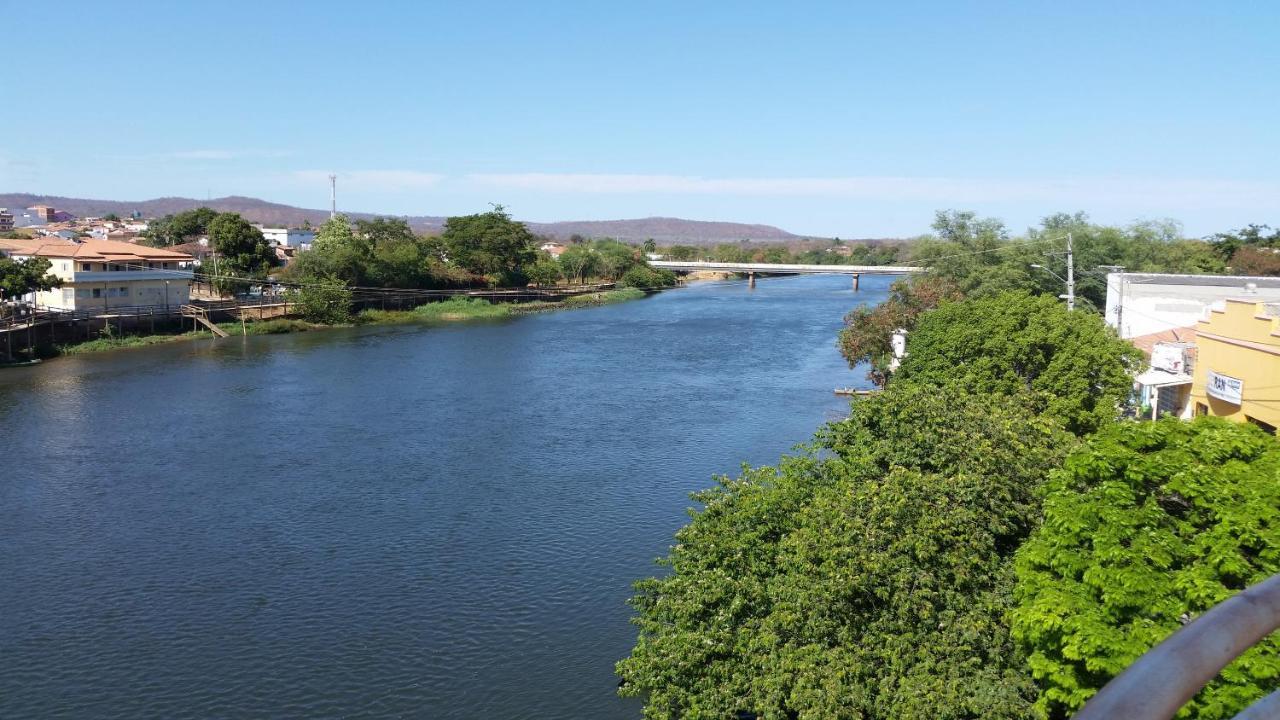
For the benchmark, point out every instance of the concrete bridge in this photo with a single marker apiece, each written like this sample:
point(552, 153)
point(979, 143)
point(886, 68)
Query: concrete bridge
point(750, 269)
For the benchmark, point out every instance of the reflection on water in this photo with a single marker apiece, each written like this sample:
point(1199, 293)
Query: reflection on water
point(384, 521)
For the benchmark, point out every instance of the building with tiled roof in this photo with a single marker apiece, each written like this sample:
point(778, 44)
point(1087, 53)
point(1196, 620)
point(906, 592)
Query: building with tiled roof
point(100, 274)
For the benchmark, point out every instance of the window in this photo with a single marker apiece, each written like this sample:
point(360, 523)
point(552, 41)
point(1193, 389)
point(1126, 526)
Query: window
point(1201, 409)
point(82, 293)
point(124, 292)
point(1268, 427)
point(97, 292)
point(85, 267)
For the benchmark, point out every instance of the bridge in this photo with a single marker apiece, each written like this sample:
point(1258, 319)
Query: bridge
point(750, 269)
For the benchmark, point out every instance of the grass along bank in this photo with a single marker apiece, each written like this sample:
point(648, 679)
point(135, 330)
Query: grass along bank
point(456, 309)
point(120, 342)
point(461, 309)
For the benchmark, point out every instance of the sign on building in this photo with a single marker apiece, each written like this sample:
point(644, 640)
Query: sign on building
point(1225, 388)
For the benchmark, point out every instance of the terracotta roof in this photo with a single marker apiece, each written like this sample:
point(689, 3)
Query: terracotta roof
point(92, 249)
point(1145, 343)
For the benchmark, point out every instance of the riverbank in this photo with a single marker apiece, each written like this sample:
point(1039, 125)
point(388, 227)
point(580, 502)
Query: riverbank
point(457, 309)
point(120, 342)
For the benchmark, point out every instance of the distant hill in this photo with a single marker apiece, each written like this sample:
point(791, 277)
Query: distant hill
point(662, 229)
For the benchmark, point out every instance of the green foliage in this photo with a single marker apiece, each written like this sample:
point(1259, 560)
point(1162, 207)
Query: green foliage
point(643, 276)
point(603, 298)
point(242, 252)
point(488, 243)
point(177, 229)
point(1145, 527)
point(865, 579)
point(111, 217)
point(868, 329)
point(1252, 236)
point(1069, 365)
point(462, 308)
point(328, 303)
point(578, 262)
point(19, 277)
point(545, 271)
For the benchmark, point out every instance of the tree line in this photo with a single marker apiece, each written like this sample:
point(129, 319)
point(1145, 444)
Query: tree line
point(985, 537)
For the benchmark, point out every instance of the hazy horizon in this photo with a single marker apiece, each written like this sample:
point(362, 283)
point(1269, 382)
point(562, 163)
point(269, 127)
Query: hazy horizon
point(826, 120)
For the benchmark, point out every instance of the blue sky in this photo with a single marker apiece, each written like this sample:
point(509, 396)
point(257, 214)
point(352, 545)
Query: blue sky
point(844, 118)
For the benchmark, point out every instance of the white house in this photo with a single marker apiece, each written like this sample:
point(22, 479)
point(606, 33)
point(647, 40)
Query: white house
point(289, 237)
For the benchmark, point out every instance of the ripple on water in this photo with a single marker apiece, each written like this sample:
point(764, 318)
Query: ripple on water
point(383, 522)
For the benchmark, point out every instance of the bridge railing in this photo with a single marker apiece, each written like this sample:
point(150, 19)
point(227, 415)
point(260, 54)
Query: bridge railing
point(786, 268)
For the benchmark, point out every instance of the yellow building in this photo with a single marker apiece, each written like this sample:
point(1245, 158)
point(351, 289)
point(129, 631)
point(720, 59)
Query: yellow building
point(1237, 373)
point(99, 275)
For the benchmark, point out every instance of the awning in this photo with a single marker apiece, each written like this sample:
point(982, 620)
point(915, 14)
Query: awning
point(1160, 378)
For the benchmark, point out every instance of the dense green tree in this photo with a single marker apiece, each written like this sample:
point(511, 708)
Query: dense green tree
point(650, 246)
point(242, 253)
point(545, 271)
point(864, 580)
point(180, 228)
point(614, 258)
point(490, 244)
point(111, 217)
point(338, 253)
point(1145, 527)
point(1069, 365)
point(683, 252)
point(19, 277)
point(1226, 244)
point(579, 262)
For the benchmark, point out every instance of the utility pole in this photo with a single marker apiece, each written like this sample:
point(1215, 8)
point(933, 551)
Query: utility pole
point(333, 196)
point(1071, 276)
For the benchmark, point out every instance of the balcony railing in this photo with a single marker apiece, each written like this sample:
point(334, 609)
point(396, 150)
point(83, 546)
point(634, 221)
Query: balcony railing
point(1159, 683)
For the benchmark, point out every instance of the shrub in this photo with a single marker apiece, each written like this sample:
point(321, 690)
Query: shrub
point(328, 303)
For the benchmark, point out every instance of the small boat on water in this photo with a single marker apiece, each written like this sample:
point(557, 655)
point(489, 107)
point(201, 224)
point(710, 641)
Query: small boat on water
point(20, 363)
point(854, 391)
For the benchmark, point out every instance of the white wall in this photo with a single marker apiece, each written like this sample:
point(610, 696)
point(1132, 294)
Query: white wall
point(1145, 303)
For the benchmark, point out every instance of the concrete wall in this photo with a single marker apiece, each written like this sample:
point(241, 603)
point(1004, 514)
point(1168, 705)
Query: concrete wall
point(118, 292)
point(1242, 342)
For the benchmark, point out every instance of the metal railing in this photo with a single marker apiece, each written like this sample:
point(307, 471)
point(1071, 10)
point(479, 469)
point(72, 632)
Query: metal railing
point(1160, 682)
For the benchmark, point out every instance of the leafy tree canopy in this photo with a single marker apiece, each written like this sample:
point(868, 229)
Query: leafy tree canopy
point(488, 243)
point(863, 581)
point(1069, 365)
point(1145, 527)
point(19, 277)
point(243, 253)
point(180, 228)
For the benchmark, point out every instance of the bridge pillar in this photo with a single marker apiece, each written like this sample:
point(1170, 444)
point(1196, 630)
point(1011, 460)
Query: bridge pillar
point(856, 278)
point(751, 279)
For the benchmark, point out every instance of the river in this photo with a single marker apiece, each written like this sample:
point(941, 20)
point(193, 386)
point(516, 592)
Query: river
point(388, 521)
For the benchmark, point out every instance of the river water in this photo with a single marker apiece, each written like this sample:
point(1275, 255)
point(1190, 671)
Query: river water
point(384, 522)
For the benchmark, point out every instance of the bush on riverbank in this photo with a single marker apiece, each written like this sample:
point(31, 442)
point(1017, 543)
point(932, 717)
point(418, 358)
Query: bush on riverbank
point(604, 298)
point(645, 277)
point(453, 309)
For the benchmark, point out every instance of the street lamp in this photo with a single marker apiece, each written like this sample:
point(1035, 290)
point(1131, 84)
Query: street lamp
point(1069, 280)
